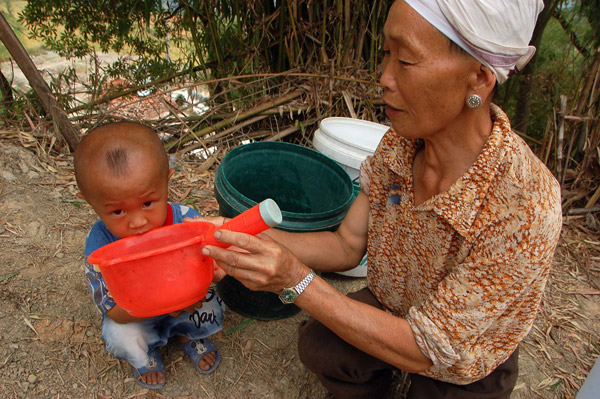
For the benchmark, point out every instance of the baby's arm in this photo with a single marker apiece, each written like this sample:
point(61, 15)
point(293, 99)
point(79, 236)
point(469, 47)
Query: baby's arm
point(121, 316)
point(190, 309)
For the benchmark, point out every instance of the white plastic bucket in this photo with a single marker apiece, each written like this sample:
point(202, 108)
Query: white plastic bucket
point(349, 141)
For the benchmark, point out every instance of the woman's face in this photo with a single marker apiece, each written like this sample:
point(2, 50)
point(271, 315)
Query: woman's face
point(424, 81)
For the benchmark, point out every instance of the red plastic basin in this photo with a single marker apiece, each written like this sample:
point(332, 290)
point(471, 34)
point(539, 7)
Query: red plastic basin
point(157, 272)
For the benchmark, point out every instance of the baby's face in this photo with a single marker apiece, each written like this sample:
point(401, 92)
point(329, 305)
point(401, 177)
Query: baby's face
point(132, 204)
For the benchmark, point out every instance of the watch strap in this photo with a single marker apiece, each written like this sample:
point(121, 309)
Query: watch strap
point(305, 282)
point(289, 295)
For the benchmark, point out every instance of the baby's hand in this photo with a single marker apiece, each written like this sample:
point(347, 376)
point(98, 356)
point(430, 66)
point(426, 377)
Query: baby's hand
point(219, 274)
point(190, 309)
point(216, 220)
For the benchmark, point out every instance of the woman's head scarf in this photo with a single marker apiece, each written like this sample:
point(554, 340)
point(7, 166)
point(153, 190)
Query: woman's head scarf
point(495, 32)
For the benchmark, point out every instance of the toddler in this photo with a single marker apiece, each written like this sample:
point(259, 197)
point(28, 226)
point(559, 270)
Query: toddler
point(122, 171)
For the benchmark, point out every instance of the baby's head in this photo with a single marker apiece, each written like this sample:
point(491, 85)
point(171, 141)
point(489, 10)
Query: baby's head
point(122, 171)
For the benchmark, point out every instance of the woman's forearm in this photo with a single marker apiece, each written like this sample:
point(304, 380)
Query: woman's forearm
point(328, 251)
point(372, 330)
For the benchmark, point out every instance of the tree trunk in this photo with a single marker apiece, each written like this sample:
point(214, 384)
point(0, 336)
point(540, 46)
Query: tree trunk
point(59, 117)
point(6, 95)
point(523, 107)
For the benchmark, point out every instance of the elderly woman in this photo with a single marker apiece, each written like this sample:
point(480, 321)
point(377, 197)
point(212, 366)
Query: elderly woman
point(458, 217)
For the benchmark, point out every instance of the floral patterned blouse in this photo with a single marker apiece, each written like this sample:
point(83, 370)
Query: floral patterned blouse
point(467, 268)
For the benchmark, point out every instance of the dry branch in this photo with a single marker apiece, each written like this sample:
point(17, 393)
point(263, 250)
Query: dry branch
point(238, 117)
point(582, 211)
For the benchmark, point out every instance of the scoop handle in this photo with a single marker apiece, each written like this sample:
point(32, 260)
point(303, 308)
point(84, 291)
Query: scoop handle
point(255, 220)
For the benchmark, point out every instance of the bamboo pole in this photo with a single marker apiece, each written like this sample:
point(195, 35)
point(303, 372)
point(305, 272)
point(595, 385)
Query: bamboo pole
point(38, 84)
point(583, 211)
point(247, 122)
point(585, 96)
point(561, 137)
point(289, 130)
point(592, 201)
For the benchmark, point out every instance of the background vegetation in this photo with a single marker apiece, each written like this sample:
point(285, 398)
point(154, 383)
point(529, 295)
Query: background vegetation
point(212, 74)
point(11, 10)
point(274, 68)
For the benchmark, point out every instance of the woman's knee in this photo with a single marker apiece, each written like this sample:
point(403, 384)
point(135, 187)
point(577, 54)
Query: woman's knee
point(315, 344)
point(322, 351)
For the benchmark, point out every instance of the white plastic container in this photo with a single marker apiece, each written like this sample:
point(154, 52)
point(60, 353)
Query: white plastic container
point(349, 141)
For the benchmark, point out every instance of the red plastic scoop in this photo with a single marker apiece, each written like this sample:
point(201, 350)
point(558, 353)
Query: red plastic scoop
point(253, 221)
point(163, 270)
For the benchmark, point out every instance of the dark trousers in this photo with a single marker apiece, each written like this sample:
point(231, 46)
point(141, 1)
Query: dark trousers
point(348, 372)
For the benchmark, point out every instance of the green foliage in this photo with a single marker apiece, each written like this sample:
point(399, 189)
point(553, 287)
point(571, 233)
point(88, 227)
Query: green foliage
point(225, 38)
point(74, 27)
point(559, 70)
point(11, 9)
point(220, 37)
point(590, 10)
point(567, 42)
point(214, 38)
point(14, 113)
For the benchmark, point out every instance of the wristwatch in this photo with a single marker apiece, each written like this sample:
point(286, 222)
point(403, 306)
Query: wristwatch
point(289, 295)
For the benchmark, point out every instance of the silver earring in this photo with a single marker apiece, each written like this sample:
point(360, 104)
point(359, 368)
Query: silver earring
point(473, 101)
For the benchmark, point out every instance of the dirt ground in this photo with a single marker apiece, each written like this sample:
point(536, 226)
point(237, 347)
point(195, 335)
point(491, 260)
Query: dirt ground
point(50, 332)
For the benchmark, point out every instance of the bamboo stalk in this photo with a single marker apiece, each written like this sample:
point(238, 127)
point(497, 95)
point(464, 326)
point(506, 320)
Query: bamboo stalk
point(289, 131)
point(347, 12)
point(593, 199)
point(283, 133)
point(582, 211)
point(295, 55)
point(195, 40)
point(588, 85)
point(360, 42)
point(547, 143)
point(237, 127)
point(339, 34)
point(561, 138)
point(324, 14)
point(281, 37)
point(349, 104)
point(373, 43)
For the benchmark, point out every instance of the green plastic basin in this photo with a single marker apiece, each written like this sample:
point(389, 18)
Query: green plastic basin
point(313, 192)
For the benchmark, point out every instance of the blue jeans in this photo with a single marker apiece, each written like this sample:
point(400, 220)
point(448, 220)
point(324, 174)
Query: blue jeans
point(133, 341)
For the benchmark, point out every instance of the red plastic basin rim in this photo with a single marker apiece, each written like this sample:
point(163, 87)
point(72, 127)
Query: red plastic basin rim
point(94, 259)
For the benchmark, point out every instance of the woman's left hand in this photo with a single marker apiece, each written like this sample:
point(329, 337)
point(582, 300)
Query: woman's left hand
point(217, 221)
point(265, 266)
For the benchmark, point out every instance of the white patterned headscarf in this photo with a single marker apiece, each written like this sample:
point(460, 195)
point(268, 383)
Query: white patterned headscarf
point(495, 32)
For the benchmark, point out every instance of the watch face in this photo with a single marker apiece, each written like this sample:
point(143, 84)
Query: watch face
point(288, 295)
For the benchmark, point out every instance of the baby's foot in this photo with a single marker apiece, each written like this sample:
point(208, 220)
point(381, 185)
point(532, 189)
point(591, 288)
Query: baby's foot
point(151, 376)
point(202, 353)
point(208, 361)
